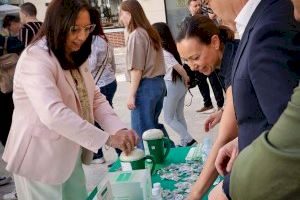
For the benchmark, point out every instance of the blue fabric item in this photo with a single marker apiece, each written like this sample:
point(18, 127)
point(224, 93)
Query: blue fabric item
point(224, 74)
point(109, 91)
point(149, 102)
point(265, 70)
point(14, 45)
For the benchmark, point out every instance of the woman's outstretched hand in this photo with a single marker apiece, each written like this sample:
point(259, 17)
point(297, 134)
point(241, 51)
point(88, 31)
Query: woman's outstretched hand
point(124, 140)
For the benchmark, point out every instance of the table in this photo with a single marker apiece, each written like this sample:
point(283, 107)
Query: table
point(176, 155)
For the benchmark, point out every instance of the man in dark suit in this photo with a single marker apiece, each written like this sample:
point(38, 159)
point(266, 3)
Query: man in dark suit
point(278, 150)
point(265, 71)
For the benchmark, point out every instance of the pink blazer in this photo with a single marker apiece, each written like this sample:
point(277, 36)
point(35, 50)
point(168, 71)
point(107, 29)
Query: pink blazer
point(47, 132)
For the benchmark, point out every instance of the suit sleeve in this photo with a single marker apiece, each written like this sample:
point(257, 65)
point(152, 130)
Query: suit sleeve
point(274, 67)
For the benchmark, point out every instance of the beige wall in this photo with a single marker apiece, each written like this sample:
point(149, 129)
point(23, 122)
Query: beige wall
point(154, 9)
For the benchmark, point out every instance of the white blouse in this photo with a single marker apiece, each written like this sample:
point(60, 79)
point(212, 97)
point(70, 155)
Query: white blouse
point(100, 50)
point(170, 62)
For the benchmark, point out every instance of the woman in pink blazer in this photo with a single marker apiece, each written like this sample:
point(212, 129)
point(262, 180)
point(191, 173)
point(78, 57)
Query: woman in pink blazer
point(56, 102)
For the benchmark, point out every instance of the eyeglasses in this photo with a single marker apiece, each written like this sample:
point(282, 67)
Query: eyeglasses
point(86, 29)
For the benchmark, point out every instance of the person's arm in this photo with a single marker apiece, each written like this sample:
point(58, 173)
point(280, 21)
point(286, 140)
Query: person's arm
point(136, 76)
point(172, 63)
point(137, 47)
point(179, 68)
point(98, 55)
point(226, 157)
point(213, 120)
point(227, 132)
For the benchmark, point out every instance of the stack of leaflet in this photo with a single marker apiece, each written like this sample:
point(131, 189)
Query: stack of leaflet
point(195, 153)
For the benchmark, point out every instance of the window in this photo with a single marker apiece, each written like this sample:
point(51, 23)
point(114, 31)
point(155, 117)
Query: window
point(109, 12)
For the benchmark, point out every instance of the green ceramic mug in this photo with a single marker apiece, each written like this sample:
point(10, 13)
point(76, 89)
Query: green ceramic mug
point(136, 160)
point(154, 143)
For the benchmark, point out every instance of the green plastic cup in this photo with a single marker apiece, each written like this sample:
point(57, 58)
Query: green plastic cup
point(155, 143)
point(136, 160)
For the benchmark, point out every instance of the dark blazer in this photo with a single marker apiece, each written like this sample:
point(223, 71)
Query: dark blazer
point(265, 70)
point(224, 73)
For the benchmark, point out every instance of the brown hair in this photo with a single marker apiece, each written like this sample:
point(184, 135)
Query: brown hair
point(168, 44)
point(29, 9)
point(95, 19)
point(139, 19)
point(8, 19)
point(203, 28)
point(60, 16)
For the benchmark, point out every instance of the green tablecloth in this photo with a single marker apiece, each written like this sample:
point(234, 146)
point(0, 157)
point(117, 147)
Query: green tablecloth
point(176, 155)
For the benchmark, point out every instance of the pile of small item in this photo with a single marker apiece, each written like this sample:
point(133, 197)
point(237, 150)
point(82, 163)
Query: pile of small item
point(185, 174)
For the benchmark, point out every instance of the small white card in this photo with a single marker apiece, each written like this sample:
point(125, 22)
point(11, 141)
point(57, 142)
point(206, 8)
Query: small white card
point(126, 166)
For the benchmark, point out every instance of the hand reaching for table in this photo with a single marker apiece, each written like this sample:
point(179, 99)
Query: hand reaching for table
point(213, 120)
point(124, 140)
point(226, 157)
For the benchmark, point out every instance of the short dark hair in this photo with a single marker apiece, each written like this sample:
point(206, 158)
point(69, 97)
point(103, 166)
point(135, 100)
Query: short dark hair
point(60, 16)
point(8, 19)
point(29, 8)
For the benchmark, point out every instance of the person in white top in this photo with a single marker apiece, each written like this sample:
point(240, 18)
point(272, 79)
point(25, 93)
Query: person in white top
point(177, 81)
point(103, 68)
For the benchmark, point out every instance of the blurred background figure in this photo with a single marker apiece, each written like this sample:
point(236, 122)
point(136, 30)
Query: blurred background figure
point(177, 82)
point(103, 67)
point(11, 25)
point(194, 7)
point(146, 69)
point(30, 23)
